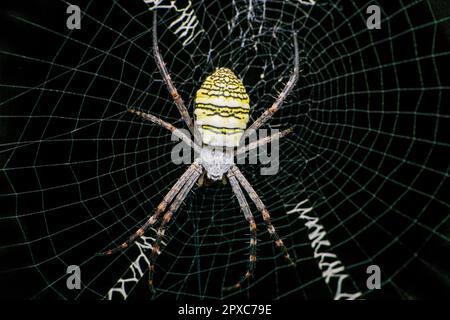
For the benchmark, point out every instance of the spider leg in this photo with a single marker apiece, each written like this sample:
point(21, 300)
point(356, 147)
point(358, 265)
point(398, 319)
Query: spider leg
point(170, 86)
point(263, 141)
point(279, 101)
point(165, 220)
point(168, 126)
point(249, 217)
point(183, 180)
point(265, 213)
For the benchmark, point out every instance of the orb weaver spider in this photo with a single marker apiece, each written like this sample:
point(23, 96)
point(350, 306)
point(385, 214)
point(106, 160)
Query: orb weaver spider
point(221, 113)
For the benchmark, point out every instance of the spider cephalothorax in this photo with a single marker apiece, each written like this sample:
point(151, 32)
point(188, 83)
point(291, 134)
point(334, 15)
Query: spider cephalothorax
point(216, 162)
point(221, 116)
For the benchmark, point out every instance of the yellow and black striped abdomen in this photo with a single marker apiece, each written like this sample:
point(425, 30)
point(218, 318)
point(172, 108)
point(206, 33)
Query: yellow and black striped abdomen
point(222, 109)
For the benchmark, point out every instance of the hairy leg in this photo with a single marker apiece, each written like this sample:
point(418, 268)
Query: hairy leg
point(263, 141)
point(170, 86)
point(166, 218)
point(187, 176)
point(281, 97)
point(249, 217)
point(168, 126)
point(265, 213)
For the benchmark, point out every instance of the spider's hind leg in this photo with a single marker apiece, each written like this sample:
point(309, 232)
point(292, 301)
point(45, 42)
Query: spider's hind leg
point(268, 113)
point(170, 85)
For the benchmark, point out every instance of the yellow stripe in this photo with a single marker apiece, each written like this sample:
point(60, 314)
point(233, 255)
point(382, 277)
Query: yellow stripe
point(223, 83)
point(202, 112)
point(221, 108)
point(231, 94)
point(204, 115)
point(222, 130)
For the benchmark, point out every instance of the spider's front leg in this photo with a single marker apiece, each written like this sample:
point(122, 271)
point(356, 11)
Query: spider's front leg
point(167, 217)
point(177, 194)
point(183, 180)
point(249, 217)
point(264, 212)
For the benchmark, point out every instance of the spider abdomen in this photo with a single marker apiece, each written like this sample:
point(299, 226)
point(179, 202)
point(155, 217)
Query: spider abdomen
point(222, 109)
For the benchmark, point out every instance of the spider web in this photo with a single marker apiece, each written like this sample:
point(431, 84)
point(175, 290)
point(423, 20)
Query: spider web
point(363, 180)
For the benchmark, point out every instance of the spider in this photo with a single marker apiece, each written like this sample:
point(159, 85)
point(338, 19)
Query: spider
point(221, 116)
